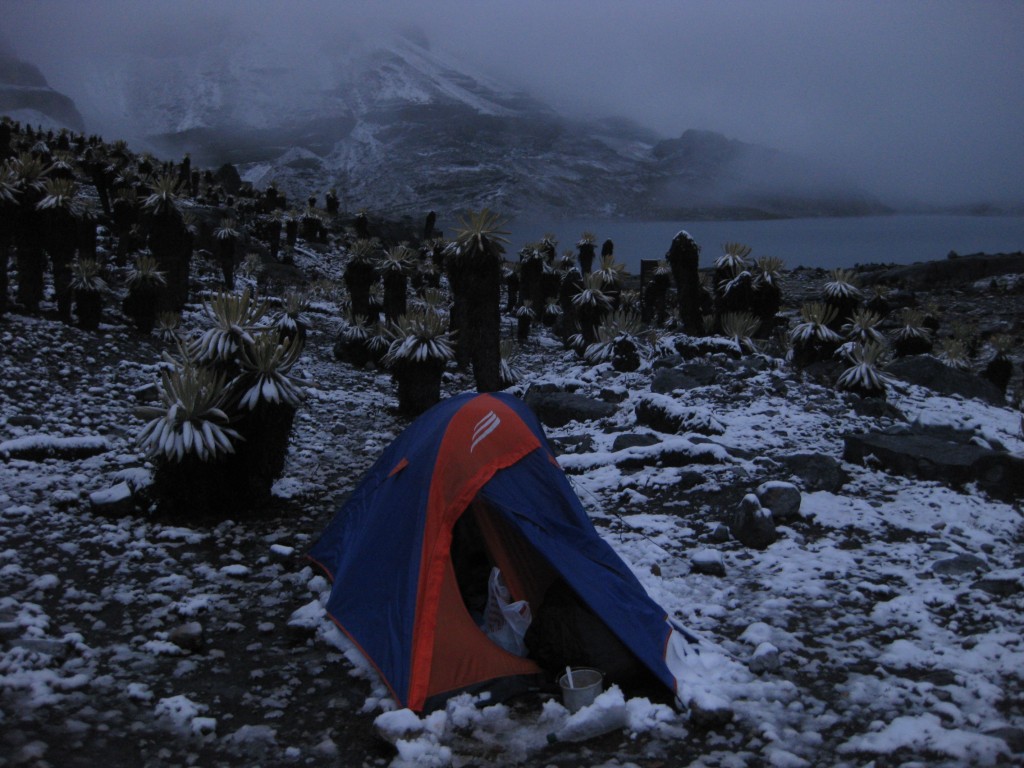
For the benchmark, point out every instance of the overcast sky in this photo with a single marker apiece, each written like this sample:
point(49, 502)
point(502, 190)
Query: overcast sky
point(913, 99)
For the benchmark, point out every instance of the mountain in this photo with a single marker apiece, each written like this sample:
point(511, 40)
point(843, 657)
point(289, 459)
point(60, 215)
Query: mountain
point(26, 96)
point(397, 126)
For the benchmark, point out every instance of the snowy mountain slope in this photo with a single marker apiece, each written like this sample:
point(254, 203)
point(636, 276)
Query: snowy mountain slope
point(26, 95)
point(397, 126)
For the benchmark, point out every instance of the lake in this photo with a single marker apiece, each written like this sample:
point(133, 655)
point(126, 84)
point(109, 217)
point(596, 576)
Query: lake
point(827, 243)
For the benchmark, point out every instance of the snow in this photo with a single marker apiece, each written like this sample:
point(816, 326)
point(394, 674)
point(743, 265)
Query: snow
point(839, 644)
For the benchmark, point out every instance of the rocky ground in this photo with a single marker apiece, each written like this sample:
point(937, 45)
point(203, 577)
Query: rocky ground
point(879, 620)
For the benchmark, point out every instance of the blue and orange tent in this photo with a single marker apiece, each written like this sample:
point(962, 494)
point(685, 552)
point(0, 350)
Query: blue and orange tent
point(395, 593)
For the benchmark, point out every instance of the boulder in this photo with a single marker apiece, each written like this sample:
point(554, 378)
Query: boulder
point(664, 414)
point(752, 525)
point(815, 471)
point(708, 562)
point(951, 460)
point(959, 565)
point(689, 376)
point(782, 498)
point(556, 409)
point(926, 371)
point(633, 440)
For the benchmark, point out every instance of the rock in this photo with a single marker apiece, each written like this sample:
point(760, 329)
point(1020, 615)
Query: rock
point(875, 407)
point(188, 636)
point(614, 394)
point(25, 420)
point(782, 498)
point(919, 454)
point(815, 471)
point(116, 501)
point(928, 372)
point(708, 562)
point(765, 659)
point(1014, 737)
point(665, 414)
point(752, 525)
point(667, 380)
point(999, 586)
point(148, 393)
point(574, 444)
point(671, 361)
point(690, 347)
point(556, 409)
point(42, 447)
point(709, 712)
point(719, 534)
point(959, 565)
point(633, 440)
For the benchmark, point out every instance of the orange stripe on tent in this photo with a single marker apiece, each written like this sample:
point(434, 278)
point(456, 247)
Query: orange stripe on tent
point(483, 437)
point(399, 467)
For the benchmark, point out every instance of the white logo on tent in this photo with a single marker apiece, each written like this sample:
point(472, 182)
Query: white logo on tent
point(483, 428)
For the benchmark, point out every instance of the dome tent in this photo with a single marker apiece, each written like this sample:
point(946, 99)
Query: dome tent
point(396, 594)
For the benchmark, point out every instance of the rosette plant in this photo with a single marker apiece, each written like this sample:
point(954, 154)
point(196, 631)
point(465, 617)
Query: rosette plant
point(611, 273)
point(235, 378)
point(87, 286)
point(912, 336)
point(812, 339)
point(862, 328)
point(510, 373)
point(525, 315)
point(865, 376)
point(169, 238)
point(474, 263)
point(30, 175)
point(842, 294)
point(766, 297)
point(263, 398)
point(655, 294)
point(999, 369)
point(227, 236)
point(59, 213)
point(360, 275)
point(587, 249)
point(592, 306)
point(734, 281)
point(741, 327)
point(619, 341)
point(145, 281)
point(8, 209)
point(394, 267)
point(683, 258)
point(352, 344)
point(416, 359)
point(291, 320)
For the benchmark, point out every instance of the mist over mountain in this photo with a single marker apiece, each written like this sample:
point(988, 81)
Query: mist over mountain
point(396, 126)
point(25, 95)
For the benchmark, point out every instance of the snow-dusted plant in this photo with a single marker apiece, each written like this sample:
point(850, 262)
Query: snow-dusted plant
point(419, 338)
point(610, 271)
point(236, 317)
point(953, 353)
point(510, 373)
point(59, 193)
point(741, 327)
point(842, 284)
point(9, 189)
point(264, 377)
point(734, 258)
point(862, 328)
point(592, 296)
point(167, 326)
point(417, 358)
point(620, 339)
point(912, 337)
point(192, 420)
point(865, 375)
point(145, 273)
point(164, 196)
point(812, 339)
point(85, 276)
point(291, 319)
point(815, 319)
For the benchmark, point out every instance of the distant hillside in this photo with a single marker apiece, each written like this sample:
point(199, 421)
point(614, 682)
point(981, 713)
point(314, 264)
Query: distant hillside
point(395, 126)
point(26, 96)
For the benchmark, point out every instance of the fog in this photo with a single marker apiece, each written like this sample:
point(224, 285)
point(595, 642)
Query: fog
point(916, 101)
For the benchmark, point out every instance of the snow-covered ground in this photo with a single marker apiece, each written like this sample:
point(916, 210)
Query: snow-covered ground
point(869, 633)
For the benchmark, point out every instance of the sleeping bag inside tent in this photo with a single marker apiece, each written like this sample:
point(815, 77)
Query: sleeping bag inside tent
point(471, 486)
